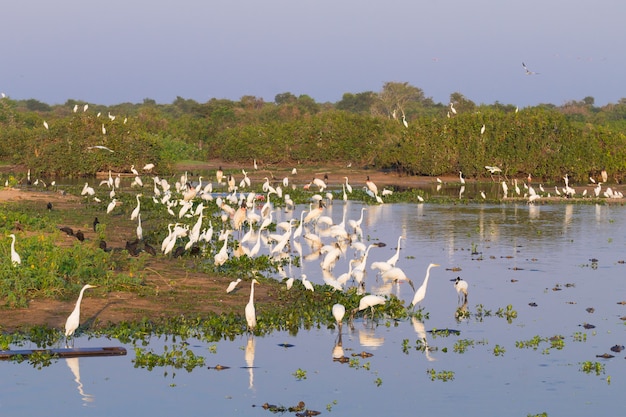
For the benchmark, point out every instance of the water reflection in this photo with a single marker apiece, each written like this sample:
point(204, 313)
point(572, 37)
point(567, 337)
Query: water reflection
point(74, 365)
point(420, 330)
point(249, 357)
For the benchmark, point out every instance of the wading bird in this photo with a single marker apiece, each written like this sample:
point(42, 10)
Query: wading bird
point(15, 257)
point(461, 287)
point(338, 312)
point(72, 322)
point(369, 301)
point(250, 311)
point(420, 294)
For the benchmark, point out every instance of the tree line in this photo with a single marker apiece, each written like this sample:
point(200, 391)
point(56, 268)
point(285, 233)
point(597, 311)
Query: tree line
point(397, 128)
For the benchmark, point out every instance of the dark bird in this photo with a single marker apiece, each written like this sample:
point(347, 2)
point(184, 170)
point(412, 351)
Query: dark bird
point(80, 236)
point(68, 230)
point(149, 249)
point(132, 247)
point(49, 205)
point(18, 226)
point(103, 246)
point(96, 222)
point(178, 252)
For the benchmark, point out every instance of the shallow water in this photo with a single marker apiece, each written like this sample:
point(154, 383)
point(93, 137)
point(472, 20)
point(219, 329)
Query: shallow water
point(509, 254)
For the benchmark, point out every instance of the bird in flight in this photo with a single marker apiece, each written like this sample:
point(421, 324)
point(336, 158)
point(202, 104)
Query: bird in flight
point(528, 72)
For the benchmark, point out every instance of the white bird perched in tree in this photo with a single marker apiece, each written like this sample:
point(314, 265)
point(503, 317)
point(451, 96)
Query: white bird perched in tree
point(404, 122)
point(452, 109)
point(233, 284)
point(72, 322)
point(250, 311)
point(482, 129)
point(461, 287)
point(45, 124)
point(15, 257)
point(307, 284)
point(420, 294)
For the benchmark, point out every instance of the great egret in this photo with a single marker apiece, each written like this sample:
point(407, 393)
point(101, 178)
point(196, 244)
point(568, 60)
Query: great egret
point(45, 124)
point(15, 257)
point(135, 212)
point(461, 287)
point(461, 177)
point(338, 312)
point(72, 322)
point(404, 122)
point(370, 301)
point(482, 129)
point(148, 167)
point(139, 228)
point(111, 206)
point(348, 186)
point(396, 274)
point(104, 148)
point(250, 311)
point(232, 285)
point(421, 291)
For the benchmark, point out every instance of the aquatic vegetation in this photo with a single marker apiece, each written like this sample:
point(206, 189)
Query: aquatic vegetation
point(498, 350)
point(592, 367)
point(441, 375)
point(507, 313)
point(38, 359)
point(178, 356)
point(460, 346)
point(300, 374)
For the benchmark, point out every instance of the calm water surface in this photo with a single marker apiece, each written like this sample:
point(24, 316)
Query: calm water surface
point(509, 254)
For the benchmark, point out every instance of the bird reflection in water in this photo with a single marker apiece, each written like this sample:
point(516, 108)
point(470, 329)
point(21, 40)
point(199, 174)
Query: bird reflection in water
point(74, 366)
point(418, 326)
point(249, 357)
point(461, 312)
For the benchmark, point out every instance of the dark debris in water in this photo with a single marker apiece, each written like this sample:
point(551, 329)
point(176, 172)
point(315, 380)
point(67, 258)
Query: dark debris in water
point(532, 304)
point(516, 268)
point(605, 356)
point(286, 345)
point(219, 367)
point(455, 269)
point(590, 310)
point(621, 302)
point(588, 326)
point(444, 332)
point(342, 359)
point(617, 348)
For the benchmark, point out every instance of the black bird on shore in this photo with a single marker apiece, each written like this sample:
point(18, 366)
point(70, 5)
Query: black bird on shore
point(49, 206)
point(68, 230)
point(80, 236)
point(96, 222)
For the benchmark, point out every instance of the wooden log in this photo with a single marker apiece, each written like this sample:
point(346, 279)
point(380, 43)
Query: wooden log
point(66, 352)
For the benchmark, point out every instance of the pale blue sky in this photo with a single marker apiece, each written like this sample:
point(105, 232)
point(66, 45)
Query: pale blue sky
point(119, 51)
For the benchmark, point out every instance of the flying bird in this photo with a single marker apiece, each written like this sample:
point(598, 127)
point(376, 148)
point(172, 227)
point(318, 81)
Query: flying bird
point(528, 72)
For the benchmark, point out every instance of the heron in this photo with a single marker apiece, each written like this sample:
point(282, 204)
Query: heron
point(420, 294)
point(369, 301)
point(72, 322)
point(15, 257)
point(250, 311)
point(232, 285)
point(339, 310)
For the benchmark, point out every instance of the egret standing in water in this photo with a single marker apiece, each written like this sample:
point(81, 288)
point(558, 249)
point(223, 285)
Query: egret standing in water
point(72, 322)
point(420, 294)
point(338, 312)
point(250, 311)
point(369, 301)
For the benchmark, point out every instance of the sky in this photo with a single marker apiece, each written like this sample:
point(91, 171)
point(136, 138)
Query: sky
point(122, 51)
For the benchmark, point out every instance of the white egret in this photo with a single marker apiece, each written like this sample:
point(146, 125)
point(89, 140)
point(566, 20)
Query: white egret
point(233, 285)
point(250, 311)
point(135, 212)
point(133, 170)
point(148, 167)
point(15, 257)
point(139, 228)
point(338, 312)
point(482, 129)
point(104, 129)
point(461, 177)
point(111, 206)
point(104, 148)
point(45, 124)
point(461, 287)
point(307, 284)
point(452, 108)
point(370, 301)
point(348, 186)
point(72, 322)
point(420, 294)
point(404, 122)
point(396, 274)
